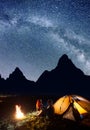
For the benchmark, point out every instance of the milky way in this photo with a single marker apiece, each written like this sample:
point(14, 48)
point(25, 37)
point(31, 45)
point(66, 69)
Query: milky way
point(34, 34)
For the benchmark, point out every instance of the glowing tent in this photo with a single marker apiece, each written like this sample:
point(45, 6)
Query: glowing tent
point(72, 107)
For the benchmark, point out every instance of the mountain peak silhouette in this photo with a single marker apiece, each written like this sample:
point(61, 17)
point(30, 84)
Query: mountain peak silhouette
point(17, 70)
point(65, 78)
point(66, 66)
point(17, 75)
point(63, 59)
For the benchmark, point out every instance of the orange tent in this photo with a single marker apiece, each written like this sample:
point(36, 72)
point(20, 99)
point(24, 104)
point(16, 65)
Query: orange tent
point(71, 106)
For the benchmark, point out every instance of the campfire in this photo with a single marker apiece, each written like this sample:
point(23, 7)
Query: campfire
point(19, 114)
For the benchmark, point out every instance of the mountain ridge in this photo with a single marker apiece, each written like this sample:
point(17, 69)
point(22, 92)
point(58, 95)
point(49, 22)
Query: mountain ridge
point(65, 78)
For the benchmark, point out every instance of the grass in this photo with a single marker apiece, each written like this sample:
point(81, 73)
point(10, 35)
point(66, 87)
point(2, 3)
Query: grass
point(55, 123)
point(34, 122)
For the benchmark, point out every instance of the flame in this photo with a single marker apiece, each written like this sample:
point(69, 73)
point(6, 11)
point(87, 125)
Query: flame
point(19, 114)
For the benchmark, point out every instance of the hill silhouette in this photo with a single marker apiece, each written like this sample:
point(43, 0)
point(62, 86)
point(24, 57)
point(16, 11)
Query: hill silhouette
point(65, 78)
point(16, 75)
point(16, 83)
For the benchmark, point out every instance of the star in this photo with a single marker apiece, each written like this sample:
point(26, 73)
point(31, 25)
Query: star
point(34, 34)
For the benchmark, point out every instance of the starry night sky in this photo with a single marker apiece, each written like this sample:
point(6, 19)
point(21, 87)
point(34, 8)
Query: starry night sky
point(34, 34)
